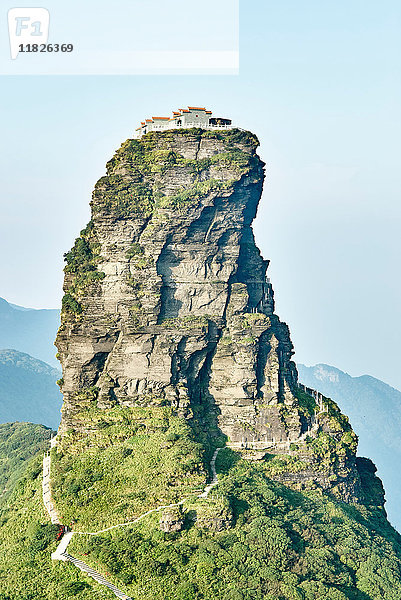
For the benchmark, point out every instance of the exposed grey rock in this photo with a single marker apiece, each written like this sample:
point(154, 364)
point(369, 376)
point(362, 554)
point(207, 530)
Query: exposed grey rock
point(167, 300)
point(214, 515)
point(172, 519)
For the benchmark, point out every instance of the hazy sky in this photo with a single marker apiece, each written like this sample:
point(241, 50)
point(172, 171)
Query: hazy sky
point(319, 84)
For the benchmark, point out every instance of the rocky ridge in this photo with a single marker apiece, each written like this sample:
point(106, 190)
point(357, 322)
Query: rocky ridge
point(167, 304)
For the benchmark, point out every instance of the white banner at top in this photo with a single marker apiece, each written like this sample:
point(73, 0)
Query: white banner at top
point(125, 37)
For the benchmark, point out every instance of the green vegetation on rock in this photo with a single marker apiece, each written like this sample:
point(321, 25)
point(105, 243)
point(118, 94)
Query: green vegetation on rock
point(328, 450)
point(81, 264)
point(122, 198)
point(131, 186)
point(134, 250)
point(306, 402)
point(187, 322)
point(188, 197)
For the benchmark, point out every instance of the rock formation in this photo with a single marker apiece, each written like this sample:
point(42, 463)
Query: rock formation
point(172, 519)
point(167, 302)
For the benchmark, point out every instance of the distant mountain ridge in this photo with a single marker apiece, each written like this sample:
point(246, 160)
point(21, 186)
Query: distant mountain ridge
point(29, 330)
point(28, 390)
point(374, 410)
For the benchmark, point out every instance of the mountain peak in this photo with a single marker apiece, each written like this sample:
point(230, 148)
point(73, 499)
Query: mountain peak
point(167, 304)
point(324, 372)
point(189, 461)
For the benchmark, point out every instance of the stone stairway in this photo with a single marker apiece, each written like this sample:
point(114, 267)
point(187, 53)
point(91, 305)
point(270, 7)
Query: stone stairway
point(61, 550)
point(94, 574)
point(59, 553)
point(46, 490)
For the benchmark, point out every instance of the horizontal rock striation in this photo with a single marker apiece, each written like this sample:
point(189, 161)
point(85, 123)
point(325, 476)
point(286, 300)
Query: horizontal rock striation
point(167, 303)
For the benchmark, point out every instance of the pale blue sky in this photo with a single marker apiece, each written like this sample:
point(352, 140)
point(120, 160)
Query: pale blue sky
point(319, 84)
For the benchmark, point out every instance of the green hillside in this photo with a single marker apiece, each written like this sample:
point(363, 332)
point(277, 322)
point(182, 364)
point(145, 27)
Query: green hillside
point(26, 540)
point(251, 539)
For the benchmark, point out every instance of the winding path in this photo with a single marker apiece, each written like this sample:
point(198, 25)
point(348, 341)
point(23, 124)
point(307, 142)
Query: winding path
point(61, 551)
point(204, 494)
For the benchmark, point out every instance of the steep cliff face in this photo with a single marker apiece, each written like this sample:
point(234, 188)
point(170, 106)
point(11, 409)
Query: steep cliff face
point(167, 304)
